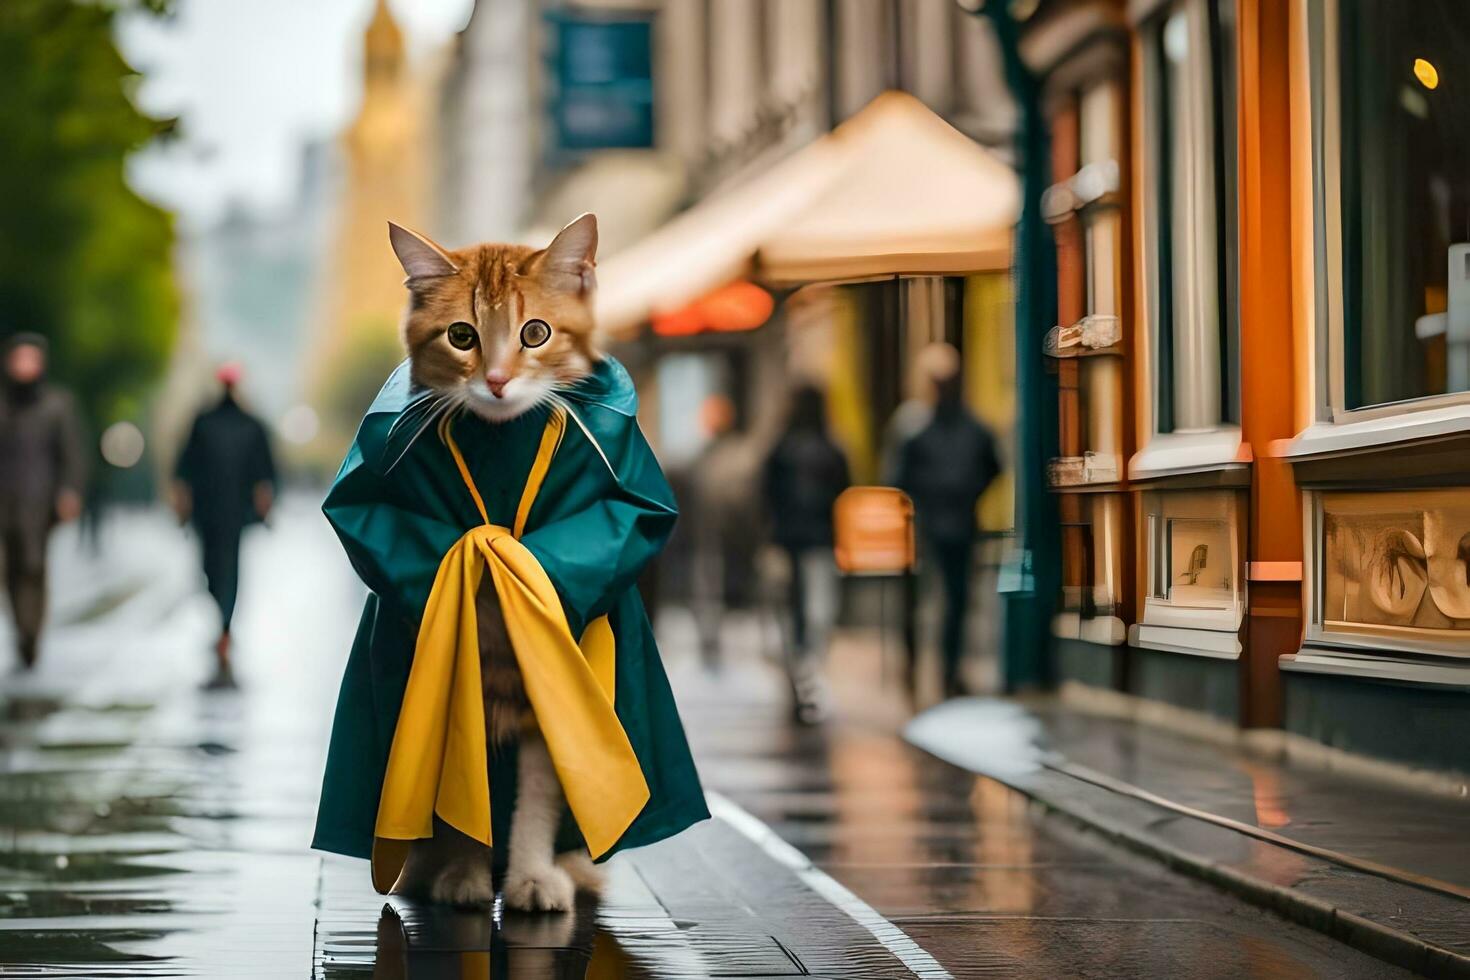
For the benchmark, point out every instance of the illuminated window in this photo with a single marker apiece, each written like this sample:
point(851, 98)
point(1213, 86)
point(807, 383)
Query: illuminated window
point(1395, 565)
point(1194, 559)
point(1404, 118)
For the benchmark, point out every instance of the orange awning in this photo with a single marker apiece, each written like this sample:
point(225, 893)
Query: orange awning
point(895, 190)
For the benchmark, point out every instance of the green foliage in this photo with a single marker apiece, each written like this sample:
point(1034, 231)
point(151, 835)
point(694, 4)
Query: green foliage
point(83, 259)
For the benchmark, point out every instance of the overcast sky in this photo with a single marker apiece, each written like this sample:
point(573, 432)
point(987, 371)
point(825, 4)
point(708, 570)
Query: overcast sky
point(251, 80)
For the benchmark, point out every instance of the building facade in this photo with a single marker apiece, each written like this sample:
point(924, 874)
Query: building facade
point(1258, 224)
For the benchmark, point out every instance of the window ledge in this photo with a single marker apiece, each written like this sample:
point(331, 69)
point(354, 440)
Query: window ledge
point(1175, 453)
point(1319, 661)
point(1164, 615)
point(1195, 643)
point(1332, 438)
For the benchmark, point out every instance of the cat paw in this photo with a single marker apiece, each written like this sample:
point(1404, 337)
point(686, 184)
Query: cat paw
point(545, 889)
point(586, 876)
point(465, 884)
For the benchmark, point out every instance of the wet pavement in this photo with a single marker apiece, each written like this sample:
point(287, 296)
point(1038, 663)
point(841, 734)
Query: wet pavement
point(1356, 854)
point(150, 830)
point(1355, 814)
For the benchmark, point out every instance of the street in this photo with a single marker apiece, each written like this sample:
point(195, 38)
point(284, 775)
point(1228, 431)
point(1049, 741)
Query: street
point(152, 830)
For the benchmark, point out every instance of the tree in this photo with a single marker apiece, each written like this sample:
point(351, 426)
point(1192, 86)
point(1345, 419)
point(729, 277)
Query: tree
point(83, 260)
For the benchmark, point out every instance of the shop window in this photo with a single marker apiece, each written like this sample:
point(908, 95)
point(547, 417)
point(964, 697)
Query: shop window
point(1194, 559)
point(1189, 83)
point(1396, 565)
point(1403, 108)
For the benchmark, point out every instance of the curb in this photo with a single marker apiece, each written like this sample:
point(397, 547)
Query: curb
point(1390, 945)
point(1382, 942)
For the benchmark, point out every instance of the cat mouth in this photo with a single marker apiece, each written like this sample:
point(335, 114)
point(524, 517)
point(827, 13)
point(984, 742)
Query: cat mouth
point(518, 396)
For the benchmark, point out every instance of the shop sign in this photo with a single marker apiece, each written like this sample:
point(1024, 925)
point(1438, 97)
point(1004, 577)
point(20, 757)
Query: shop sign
point(600, 82)
point(874, 531)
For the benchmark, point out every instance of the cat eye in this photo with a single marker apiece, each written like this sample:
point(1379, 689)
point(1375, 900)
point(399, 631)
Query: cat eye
point(462, 336)
point(534, 333)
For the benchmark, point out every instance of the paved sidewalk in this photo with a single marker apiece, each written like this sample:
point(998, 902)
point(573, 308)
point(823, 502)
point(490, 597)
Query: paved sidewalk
point(146, 828)
point(1366, 860)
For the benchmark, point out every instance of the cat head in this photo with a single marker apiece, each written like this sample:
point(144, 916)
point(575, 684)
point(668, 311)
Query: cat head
point(498, 328)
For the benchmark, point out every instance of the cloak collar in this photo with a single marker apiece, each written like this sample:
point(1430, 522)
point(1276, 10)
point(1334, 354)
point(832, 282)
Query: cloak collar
point(389, 424)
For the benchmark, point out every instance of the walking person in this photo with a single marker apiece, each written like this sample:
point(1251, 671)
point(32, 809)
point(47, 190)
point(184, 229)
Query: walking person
point(224, 482)
point(720, 513)
point(803, 476)
point(42, 473)
point(944, 467)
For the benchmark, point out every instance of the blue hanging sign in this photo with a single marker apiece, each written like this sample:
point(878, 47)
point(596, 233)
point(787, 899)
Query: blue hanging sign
point(600, 91)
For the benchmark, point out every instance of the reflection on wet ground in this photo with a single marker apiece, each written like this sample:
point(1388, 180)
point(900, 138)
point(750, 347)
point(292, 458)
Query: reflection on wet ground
point(969, 871)
point(1343, 811)
point(146, 829)
point(149, 830)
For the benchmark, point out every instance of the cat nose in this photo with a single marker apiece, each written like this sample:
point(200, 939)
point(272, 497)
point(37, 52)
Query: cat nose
point(497, 379)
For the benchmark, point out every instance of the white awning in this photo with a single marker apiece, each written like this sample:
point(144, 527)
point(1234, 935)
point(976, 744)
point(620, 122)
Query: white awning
point(895, 190)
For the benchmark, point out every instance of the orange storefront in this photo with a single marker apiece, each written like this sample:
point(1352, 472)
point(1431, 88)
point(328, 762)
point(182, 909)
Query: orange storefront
point(1261, 466)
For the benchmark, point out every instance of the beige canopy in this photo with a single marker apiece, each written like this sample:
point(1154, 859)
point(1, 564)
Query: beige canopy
point(895, 190)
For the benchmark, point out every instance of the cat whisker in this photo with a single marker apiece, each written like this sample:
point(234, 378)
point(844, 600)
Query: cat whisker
point(445, 405)
point(576, 390)
point(417, 407)
point(557, 399)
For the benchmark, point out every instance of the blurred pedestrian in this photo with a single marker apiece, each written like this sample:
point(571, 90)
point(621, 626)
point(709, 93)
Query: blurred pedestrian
point(802, 478)
point(225, 481)
point(42, 472)
point(913, 414)
point(722, 513)
point(945, 467)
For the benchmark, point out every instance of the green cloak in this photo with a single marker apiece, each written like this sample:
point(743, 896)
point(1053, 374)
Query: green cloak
point(602, 513)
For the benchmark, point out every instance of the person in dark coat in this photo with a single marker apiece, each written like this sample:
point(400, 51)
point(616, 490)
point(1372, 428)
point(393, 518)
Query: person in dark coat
point(803, 476)
point(945, 467)
point(42, 472)
point(225, 481)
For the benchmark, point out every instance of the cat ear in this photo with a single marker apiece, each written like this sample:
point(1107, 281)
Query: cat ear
point(419, 256)
point(572, 255)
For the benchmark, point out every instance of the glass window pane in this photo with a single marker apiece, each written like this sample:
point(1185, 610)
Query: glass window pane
point(1194, 550)
point(1404, 72)
point(1191, 149)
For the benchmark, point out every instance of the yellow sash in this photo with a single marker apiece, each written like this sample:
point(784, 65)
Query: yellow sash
point(438, 761)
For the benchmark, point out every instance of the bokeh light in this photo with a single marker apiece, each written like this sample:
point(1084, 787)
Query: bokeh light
point(122, 445)
point(300, 424)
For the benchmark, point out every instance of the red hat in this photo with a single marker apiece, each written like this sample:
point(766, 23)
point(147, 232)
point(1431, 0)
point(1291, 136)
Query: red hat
point(228, 373)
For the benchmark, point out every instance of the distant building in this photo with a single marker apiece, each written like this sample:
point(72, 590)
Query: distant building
point(252, 294)
point(255, 278)
point(388, 156)
point(486, 119)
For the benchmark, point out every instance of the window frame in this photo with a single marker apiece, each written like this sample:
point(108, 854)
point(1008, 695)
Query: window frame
point(1329, 328)
point(1366, 639)
point(1156, 266)
point(1157, 508)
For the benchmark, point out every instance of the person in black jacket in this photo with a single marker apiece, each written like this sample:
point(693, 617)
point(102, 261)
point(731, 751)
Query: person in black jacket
point(803, 476)
point(42, 475)
point(225, 481)
point(945, 466)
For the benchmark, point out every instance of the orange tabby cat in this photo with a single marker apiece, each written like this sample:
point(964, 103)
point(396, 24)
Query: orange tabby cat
point(496, 329)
